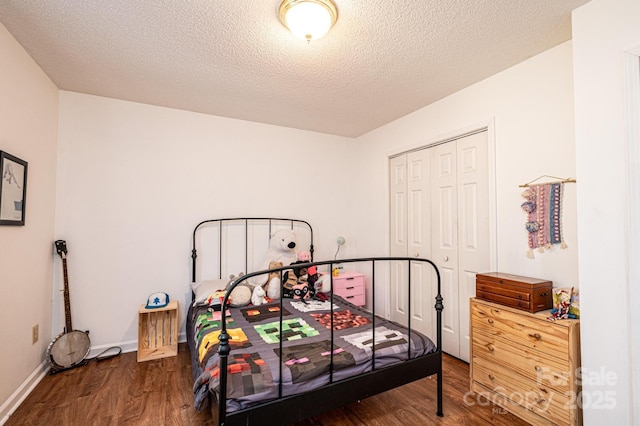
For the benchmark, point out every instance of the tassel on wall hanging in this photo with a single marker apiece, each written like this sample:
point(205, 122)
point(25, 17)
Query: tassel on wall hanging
point(543, 206)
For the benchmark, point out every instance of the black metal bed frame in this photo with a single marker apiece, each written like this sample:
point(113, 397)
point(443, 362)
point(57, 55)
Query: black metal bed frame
point(287, 409)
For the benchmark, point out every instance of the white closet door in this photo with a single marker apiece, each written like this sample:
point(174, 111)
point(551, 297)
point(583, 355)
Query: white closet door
point(398, 237)
point(444, 233)
point(460, 194)
point(410, 218)
point(419, 242)
point(473, 225)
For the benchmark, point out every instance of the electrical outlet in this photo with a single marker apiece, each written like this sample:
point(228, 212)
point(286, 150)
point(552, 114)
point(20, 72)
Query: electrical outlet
point(34, 334)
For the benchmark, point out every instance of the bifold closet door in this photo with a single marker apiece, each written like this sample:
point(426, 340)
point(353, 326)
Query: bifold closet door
point(459, 231)
point(409, 236)
point(439, 209)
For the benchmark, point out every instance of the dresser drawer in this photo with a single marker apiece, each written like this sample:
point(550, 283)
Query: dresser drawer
point(539, 367)
point(512, 292)
point(532, 333)
point(504, 300)
point(358, 300)
point(351, 287)
point(505, 383)
point(349, 282)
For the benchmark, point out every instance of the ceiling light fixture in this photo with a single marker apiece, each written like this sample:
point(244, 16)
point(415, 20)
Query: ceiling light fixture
point(308, 19)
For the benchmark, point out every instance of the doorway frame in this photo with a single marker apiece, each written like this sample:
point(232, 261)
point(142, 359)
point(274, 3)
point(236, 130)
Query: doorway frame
point(632, 132)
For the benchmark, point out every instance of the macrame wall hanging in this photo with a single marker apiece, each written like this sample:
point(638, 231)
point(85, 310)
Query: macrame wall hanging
point(543, 205)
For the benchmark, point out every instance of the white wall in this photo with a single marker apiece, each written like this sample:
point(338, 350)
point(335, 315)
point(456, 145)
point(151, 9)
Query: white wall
point(531, 106)
point(602, 31)
point(134, 179)
point(28, 130)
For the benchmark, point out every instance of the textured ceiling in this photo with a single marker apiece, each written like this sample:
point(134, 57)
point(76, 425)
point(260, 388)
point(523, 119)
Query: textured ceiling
point(382, 60)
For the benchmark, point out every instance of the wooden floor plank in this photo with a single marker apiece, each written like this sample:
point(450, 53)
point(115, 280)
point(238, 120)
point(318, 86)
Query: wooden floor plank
point(121, 391)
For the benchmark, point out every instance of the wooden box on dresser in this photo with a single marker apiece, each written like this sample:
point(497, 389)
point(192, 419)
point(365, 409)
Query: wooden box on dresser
point(526, 363)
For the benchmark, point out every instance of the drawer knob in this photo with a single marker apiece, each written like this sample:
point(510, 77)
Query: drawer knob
point(446, 258)
point(417, 254)
point(490, 321)
point(491, 377)
point(535, 336)
point(490, 347)
point(539, 400)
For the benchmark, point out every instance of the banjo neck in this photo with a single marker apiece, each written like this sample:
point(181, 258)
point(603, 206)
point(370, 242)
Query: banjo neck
point(61, 248)
point(67, 303)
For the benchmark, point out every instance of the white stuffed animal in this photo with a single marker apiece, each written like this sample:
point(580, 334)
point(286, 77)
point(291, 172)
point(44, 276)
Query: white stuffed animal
point(257, 298)
point(282, 248)
point(323, 283)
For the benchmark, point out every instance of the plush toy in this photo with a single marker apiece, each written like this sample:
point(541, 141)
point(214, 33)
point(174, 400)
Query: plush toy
point(312, 271)
point(282, 248)
point(258, 296)
point(561, 303)
point(323, 284)
point(296, 285)
point(241, 295)
point(273, 279)
point(304, 256)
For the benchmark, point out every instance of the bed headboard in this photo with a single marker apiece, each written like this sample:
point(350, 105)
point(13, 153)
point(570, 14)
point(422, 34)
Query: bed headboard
point(236, 244)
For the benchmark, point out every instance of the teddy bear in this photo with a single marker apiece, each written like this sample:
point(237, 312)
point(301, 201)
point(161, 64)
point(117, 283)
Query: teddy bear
point(282, 248)
point(274, 277)
point(259, 294)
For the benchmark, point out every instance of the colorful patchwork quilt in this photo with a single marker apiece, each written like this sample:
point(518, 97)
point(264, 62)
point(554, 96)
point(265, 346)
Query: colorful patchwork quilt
point(307, 354)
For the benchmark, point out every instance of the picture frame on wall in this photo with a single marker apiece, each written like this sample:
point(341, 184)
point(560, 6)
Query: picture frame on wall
point(13, 189)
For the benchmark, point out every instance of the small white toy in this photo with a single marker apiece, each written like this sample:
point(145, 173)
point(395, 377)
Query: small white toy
point(258, 296)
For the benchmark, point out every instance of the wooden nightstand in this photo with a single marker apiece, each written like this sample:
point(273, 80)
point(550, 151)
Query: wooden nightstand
point(158, 332)
point(350, 286)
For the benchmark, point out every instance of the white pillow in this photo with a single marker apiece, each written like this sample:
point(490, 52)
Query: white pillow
point(204, 289)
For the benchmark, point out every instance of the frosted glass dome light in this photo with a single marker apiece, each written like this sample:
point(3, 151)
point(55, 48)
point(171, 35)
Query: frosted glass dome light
point(308, 19)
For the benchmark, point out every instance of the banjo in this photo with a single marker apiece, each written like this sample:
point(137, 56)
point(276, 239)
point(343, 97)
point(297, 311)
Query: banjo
point(71, 347)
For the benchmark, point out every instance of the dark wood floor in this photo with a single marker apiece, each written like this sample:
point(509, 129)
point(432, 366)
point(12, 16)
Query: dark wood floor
point(121, 391)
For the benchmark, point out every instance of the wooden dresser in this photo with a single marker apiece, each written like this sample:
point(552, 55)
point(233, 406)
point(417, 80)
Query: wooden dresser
point(525, 363)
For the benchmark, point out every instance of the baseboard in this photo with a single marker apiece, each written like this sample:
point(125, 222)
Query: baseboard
point(130, 346)
point(14, 401)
